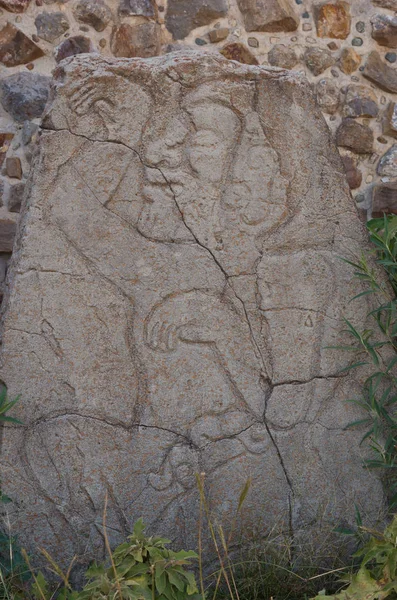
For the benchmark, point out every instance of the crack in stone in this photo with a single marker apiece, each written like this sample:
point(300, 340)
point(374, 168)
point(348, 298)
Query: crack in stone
point(226, 276)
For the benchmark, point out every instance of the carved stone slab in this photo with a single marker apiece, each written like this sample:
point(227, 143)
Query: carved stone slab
point(175, 283)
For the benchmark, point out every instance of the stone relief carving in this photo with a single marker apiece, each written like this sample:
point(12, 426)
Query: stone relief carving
point(179, 302)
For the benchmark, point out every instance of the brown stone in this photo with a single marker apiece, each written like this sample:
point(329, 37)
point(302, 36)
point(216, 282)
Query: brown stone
point(240, 53)
point(14, 167)
point(5, 141)
point(353, 174)
point(16, 48)
point(360, 101)
point(72, 46)
point(282, 56)
point(136, 40)
point(217, 35)
point(349, 61)
point(268, 15)
point(8, 228)
point(377, 71)
point(327, 95)
point(333, 20)
point(354, 136)
point(389, 122)
point(384, 200)
point(184, 15)
point(318, 60)
point(384, 30)
point(15, 6)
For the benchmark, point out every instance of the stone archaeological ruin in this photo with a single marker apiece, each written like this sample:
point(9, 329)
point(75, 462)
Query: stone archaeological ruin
point(174, 289)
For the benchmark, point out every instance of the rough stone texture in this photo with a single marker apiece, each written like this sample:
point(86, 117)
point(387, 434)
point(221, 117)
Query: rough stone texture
point(318, 60)
point(349, 60)
point(217, 35)
point(240, 53)
point(387, 166)
point(51, 26)
point(93, 12)
point(141, 40)
point(14, 167)
point(144, 8)
point(184, 15)
point(333, 20)
point(360, 101)
point(15, 6)
point(384, 30)
point(380, 73)
point(5, 141)
point(327, 94)
point(390, 120)
point(384, 199)
point(355, 136)
point(24, 95)
point(353, 174)
point(15, 196)
point(390, 4)
point(16, 48)
point(268, 15)
point(179, 247)
point(8, 227)
point(282, 56)
point(73, 46)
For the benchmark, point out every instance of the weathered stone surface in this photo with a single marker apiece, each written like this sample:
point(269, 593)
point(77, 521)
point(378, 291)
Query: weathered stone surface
point(184, 15)
point(380, 73)
point(268, 15)
point(349, 60)
point(5, 141)
point(282, 56)
point(16, 48)
point(333, 20)
point(355, 136)
point(24, 95)
point(51, 26)
point(387, 166)
point(360, 101)
point(93, 12)
point(141, 40)
point(327, 94)
point(8, 228)
point(14, 167)
point(144, 8)
point(217, 35)
point(318, 60)
point(353, 174)
point(15, 6)
point(240, 53)
point(180, 247)
point(390, 4)
point(72, 46)
point(384, 199)
point(390, 120)
point(15, 196)
point(384, 30)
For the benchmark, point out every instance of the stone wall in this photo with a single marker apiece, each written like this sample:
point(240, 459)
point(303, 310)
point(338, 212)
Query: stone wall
point(346, 49)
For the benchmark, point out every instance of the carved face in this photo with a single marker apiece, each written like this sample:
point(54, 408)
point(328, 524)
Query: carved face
point(211, 170)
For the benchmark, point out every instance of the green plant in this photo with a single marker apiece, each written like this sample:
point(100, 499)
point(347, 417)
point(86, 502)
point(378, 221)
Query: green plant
point(142, 568)
point(376, 578)
point(378, 348)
